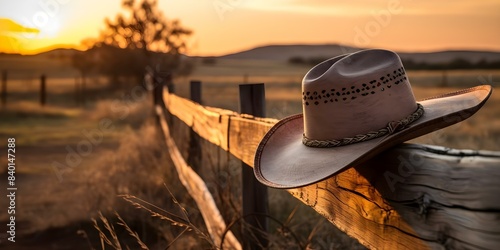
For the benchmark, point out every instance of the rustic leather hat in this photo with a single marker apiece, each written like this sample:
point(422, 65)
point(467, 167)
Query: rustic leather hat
point(354, 106)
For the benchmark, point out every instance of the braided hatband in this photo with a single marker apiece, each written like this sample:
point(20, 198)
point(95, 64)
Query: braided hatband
point(392, 127)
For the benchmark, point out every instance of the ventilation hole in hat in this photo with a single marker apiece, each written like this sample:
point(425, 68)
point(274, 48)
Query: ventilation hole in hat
point(385, 81)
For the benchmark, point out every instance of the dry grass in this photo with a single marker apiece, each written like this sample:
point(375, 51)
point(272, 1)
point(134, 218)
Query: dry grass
point(132, 162)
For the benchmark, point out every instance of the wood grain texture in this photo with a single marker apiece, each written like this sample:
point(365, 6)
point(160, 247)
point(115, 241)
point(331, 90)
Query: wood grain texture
point(410, 197)
point(198, 191)
point(415, 197)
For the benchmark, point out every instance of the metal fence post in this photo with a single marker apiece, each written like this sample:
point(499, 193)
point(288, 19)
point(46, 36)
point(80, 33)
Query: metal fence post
point(255, 204)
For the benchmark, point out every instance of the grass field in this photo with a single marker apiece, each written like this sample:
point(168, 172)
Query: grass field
point(130, 159)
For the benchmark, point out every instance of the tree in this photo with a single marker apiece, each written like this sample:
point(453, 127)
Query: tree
point(139, 38)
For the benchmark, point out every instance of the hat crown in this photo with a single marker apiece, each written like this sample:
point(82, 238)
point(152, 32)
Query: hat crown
point(355, 94)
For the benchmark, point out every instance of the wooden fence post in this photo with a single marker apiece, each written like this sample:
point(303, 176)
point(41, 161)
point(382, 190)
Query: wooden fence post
point(77, 91)
point(194, 154)
point(4, 88)
point(43, 93)
point(83, 87)
point(169, 82)
point(255, 205)
point(195, 91)
point(160, 80)
point(157, 88)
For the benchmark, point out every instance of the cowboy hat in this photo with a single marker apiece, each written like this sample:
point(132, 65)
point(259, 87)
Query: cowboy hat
point(354, 107)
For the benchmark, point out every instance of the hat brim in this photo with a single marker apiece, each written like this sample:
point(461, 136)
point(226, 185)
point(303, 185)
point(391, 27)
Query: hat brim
point(282, 161)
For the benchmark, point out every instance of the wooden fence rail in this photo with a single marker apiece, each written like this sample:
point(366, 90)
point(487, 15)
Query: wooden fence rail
point(410, 197)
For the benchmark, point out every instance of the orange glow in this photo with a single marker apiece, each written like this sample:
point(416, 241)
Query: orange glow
point(225, 26)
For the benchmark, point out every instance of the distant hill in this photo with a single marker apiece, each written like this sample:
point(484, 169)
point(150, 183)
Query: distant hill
point(54, 54)
point(60, 53)
point(285, 52)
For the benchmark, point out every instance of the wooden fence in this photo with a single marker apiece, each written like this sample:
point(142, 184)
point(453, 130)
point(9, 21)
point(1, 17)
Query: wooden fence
point(410, 197)
point(80, 89)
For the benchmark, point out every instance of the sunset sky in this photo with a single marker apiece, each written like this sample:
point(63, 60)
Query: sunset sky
point(225, 26)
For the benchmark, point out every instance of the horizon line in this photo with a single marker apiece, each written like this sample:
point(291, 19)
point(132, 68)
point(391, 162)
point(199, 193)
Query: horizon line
point(79, 48)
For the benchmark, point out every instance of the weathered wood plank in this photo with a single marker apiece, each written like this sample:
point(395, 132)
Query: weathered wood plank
point(209, 124)
point(198, 191)
point(410, 197)
point(214, 125)
point(436, 199)
point(245, 134)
